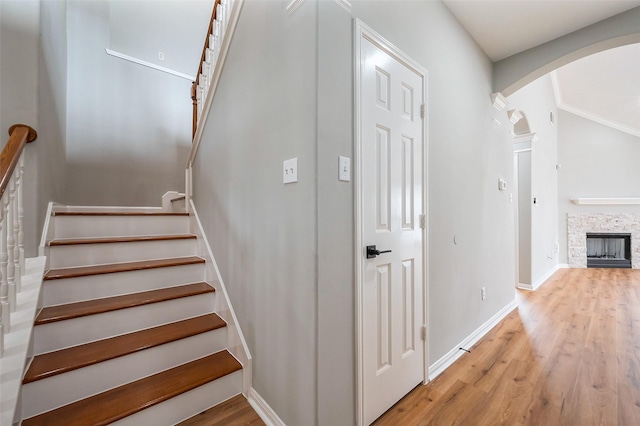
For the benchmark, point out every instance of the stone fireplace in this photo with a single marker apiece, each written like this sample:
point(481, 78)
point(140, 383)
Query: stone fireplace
point(581, 224)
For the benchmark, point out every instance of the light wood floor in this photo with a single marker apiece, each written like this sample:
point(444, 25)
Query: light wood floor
point(569, 355)
point(236, 411)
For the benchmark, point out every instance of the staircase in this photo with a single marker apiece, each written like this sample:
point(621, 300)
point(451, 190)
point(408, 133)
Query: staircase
point(127, 332)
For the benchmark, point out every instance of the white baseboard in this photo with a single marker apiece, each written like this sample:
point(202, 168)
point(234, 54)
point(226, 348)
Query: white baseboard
point(545, 277)
point(450, 357)
point(263, 409)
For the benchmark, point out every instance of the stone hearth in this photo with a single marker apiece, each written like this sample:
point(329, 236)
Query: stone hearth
point(578, 224)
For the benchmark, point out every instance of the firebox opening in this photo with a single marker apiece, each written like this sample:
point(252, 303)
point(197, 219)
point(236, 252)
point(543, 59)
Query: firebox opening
point(608, 250)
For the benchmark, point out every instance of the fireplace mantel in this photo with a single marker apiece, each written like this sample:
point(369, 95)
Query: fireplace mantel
point(606, 201)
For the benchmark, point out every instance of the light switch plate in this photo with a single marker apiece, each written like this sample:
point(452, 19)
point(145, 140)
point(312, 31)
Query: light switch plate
point(344, 169)
point(290, 170)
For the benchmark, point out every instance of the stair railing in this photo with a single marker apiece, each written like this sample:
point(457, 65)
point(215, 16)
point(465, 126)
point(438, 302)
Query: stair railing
point(210, 54)
point(11, 222)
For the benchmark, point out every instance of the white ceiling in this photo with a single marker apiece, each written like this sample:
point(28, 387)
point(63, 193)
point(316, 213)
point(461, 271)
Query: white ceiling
point(604, 87)
point(505, 27)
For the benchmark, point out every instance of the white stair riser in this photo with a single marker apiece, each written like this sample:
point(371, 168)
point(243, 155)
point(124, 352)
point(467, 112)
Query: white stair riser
point(122, 226)
point(188, 404)
point(72, 332)
point(48, 394)
point(68, 290)
point(101, 254)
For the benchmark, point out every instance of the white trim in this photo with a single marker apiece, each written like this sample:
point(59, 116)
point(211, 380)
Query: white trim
point(555, 84)
point(536, 285)
point(104, 209)
point(523, 286)
point(599, 119)
point(561, 104)
point(450, 357)
point(48, 230)
point(293, 6)
point(345, 4)
point(606, 201)
point(499, 101)
point(362, 31)
point(215, 78)
point(18, 341)
point(514, 115)
point(263, 409)
point(525, 137)
point(237, 344)
point(148, 64)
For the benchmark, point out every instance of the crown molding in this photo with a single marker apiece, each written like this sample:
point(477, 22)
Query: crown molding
point(498, 101)
point(514, 115)
point(561, 104)
point(346, 4)
point(525, 137)
point(599, 119)
point(293, 6)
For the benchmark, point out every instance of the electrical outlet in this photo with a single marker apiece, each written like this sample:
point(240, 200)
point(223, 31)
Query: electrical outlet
point(483, 292)
point(161, 56)
point(556, 248)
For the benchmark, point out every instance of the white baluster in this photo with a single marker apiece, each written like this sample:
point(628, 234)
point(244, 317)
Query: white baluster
point(21, 215)
point(16, 232)
point(10, 243)
point(199, 100)
point(5, 318)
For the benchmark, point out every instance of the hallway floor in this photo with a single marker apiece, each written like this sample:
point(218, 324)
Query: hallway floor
point(569, 355)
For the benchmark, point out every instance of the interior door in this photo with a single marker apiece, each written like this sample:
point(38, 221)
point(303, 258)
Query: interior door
point(392, 143)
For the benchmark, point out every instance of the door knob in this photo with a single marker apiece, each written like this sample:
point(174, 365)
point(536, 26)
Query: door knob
point(372, 252)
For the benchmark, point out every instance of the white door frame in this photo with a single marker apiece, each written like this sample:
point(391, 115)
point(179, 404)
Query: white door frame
point(361, 31)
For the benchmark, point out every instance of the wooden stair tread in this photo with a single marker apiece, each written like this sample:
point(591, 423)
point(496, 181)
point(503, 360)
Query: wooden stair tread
point(133, 213)
point(81, 271)
point(170, 237)
point(64, 360)
point(117, 403)
point(51, 314)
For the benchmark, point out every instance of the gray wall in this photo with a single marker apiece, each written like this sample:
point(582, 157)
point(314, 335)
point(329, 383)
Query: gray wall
point(524, 218)
point(286, 252)
point(19, 31)
point(263, 233)
point(537, 101)
point(129, 126)
point(176, 28)
point(468, 152)
point(597, 162)
point(336, 319)
point(516, 71)
point(52, 106)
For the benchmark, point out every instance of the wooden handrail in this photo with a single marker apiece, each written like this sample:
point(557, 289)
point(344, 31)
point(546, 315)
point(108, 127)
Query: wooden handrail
point(19, 136)
point(194, 85)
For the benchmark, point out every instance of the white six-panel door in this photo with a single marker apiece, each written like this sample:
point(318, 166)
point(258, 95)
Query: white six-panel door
point(391, 203)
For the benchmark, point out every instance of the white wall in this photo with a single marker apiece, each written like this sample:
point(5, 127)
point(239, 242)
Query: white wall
point(537, 101)
point(129, 126)
point(597, 161)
